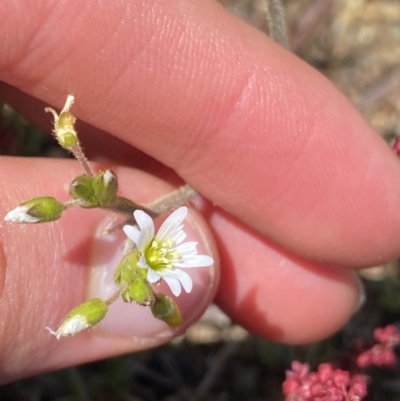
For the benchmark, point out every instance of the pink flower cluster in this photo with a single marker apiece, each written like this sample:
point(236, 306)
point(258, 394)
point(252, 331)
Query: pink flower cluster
point(327, 384)
point(381, 354)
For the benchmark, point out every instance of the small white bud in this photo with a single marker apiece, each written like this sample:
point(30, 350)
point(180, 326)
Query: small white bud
point(20, 215)
point(70, 327)
point(81, 318)
point(36, 210)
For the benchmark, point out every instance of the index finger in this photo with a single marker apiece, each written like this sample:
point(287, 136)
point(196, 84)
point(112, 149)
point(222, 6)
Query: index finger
point(249, 125)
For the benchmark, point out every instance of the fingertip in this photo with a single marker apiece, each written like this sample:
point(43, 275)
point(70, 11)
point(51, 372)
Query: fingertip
point(277, 295)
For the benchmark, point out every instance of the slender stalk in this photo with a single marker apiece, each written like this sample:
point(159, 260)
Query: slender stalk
point(162, 205)
point(127, 207)
point(275, 15)
point(173, 200)
point(80, 156)
point(115, 295)
point(73, 203)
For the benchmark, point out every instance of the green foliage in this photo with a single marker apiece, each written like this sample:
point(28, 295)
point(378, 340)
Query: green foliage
point(18, 137)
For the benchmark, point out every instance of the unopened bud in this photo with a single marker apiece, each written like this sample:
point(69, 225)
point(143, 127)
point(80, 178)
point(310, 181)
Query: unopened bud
point(81, 188)
point(36, 210)
point(81, 318)
point(140, 292)
point(105, 186)
point(164, 308)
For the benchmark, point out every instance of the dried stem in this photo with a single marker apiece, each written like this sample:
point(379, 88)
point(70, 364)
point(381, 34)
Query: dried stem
point(173, 200)
point(276, 21)
point(169, 202)
point(218, 364)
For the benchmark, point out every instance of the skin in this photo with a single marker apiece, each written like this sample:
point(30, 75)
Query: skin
point(298, 191)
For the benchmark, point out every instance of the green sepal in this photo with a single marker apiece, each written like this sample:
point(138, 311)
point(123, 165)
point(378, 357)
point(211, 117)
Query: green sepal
point(67, 139)
point(44, 208)
point(140, 292)
point(164, 308)
point(81, 188)
point(93, 311)
point(127, 271)
point(65, 130)
point(105, 187)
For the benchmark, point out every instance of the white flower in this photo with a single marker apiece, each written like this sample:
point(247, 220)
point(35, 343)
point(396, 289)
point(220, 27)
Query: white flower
point(164, 252)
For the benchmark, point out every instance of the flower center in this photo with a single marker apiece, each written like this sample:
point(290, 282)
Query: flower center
point(161, 255)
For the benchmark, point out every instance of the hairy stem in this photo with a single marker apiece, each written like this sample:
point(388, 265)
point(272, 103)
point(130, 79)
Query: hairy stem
point(80, 156)
point(115, 295)
point(173, 200)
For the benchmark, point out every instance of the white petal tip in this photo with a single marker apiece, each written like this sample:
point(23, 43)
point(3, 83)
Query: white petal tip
point(176, 291)
point(54, 333)
point(207, 260)
point(19, 215)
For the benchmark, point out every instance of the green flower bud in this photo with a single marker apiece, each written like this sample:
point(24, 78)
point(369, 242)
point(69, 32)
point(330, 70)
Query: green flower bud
point(105, 186)
point(36, 210)
point(81, 318)
point(140, 292)
point(128, 270)
point(164, 308)
point(81, 188)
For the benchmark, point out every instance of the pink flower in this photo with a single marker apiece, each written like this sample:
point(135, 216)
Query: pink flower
point(381, 354)
point(327, 384)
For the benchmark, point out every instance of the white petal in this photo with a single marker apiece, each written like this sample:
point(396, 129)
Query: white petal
point(185, 280)
point(142, 263)
point(146, 226)
point(70, 327)
point(152, 276)
point(179, 237)
point(187, 249)
point(172, 225)
point(183, 277)
point(54, 332)
point(107, 177)
point(19, 215)
point(174, 285)
point(195, 261)
point(133, 234)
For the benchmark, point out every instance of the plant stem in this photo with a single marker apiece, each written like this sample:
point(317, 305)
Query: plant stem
point(275, 14)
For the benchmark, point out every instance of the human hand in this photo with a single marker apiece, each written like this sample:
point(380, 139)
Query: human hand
point(305, 192)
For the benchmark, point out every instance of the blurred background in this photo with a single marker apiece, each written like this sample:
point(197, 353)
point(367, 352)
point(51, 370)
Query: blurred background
point(356, 44)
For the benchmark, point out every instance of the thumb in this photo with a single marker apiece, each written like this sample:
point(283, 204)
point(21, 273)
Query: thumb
point(48, 269)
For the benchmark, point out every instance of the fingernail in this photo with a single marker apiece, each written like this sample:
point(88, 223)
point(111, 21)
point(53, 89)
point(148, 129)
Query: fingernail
point(135, 321)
